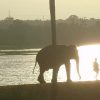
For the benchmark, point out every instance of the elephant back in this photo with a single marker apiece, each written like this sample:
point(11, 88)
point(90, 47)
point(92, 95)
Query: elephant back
point(56, 54)
point(51, 53)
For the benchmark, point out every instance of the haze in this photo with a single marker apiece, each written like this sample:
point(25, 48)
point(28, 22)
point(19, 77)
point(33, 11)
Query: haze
point(39, 9)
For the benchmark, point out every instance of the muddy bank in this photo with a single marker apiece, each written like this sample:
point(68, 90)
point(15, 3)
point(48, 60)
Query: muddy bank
point(60, 91)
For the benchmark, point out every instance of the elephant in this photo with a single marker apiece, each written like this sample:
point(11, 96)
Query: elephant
point(53, 56)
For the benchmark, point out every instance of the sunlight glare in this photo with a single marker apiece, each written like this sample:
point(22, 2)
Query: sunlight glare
point(87, 54)
point(62, 74)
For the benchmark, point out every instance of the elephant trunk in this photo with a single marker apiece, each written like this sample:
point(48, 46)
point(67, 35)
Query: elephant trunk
point(77, 66)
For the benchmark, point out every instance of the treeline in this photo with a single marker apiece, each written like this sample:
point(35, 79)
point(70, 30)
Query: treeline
point(37, 33)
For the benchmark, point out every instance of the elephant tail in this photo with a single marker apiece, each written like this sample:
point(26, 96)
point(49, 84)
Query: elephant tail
point(34, 66)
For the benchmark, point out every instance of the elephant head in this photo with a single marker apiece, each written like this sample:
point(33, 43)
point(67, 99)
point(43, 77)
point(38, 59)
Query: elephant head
point(52, 57)
point(74, 55)
point(71, 53)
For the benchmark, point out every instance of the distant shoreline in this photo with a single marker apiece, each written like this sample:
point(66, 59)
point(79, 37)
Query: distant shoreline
point(19, 52)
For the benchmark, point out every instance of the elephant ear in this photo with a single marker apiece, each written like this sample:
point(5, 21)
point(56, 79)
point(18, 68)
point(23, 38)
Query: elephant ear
point(72, 50)
point(72, 47)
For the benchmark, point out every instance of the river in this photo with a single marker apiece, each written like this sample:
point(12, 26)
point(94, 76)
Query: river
point(18, 69)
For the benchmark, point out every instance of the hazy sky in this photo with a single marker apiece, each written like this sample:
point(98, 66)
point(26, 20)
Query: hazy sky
point(39, 9)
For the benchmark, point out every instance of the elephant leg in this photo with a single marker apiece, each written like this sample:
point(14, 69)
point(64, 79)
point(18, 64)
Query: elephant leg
point(68, 71)
point(54, 75)
point(41, 77)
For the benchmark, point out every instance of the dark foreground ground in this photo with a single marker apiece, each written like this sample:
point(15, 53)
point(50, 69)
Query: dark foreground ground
point(60, 91)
